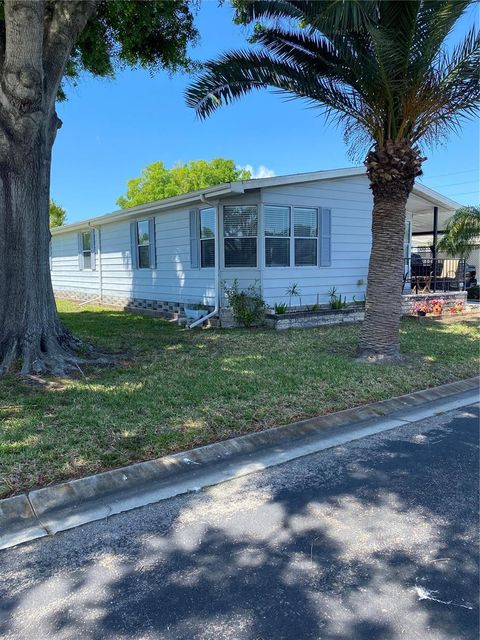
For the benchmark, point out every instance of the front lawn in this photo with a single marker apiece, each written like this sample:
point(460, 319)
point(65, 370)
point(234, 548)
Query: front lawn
point(174, 389)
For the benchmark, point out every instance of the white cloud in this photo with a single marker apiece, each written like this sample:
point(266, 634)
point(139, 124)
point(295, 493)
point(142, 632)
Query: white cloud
point(261, 172)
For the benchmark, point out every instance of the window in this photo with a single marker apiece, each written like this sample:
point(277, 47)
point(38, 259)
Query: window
point(142, 237)
point(143, 244)
point(292, 236)
point(207, 237)
point(240, 236)
point(86, 248)
point(305, 229)
point(277, 236)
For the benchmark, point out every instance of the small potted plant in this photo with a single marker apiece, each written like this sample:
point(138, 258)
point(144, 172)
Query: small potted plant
point(195, 311)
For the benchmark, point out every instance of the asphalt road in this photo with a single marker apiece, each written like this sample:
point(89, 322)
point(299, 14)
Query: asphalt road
point(374, 540)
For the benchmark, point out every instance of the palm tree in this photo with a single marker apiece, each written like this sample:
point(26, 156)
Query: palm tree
point(382, 70)
point(462, 233)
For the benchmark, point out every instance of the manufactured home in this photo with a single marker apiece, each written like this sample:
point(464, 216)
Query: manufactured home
point(309, 229)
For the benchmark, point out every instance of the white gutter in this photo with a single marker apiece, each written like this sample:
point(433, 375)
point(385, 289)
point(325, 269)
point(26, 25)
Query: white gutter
point(217, 265)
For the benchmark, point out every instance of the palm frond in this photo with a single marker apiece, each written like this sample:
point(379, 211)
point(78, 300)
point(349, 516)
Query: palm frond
point(462, 232)
point(376, 66)
point(239, 72)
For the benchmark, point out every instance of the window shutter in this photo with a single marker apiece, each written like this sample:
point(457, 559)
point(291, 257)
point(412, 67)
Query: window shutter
point(152, 244)
point(194, 238)
point(80, 251)
point(93, 247)
point(133, 245)
point(325, 237)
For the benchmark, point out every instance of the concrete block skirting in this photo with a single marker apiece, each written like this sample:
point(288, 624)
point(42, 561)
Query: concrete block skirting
point(165, 309)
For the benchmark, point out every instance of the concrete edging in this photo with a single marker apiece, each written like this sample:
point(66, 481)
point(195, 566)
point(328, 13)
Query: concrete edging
point(63, 506)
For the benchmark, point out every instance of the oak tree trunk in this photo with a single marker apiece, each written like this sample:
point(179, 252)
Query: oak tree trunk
point(392, 169)
point(36, 43)
point(30, 328)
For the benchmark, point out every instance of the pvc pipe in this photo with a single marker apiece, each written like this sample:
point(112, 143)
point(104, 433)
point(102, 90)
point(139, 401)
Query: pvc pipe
point(217, 265)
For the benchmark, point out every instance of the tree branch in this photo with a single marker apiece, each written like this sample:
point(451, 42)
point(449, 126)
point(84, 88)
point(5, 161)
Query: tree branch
point(67, 22)
point(22, 78)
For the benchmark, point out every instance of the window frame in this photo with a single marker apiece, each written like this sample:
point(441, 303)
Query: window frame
point(265, 237)
point(202, 240)
point(137, 242)
point(292, 236)
point(225, 237)
point(88, 233)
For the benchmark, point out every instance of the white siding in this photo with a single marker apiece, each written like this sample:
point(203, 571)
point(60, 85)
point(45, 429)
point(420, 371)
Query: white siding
point(350, 201)
point(172, 280)
point(66, 275)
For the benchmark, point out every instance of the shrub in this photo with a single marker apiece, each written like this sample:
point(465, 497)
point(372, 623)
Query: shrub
point(281, 308)
point(336, 301)
point(247, 305)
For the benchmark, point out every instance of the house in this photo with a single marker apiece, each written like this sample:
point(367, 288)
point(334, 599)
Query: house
point(312, 229)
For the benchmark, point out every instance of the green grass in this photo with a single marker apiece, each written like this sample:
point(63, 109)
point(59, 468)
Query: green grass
point(174, 389)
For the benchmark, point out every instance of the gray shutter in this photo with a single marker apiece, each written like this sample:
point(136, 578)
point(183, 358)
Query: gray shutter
point(325, 237)
point(80, 251)
point(152, 246)
point(93, 246)
point(133, 245)
point(194, 238)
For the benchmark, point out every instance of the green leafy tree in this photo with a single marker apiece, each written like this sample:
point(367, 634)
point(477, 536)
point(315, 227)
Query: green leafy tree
point(158, 182)
point(57, 214)
point(44, 46)
point(382, 70)
point(462, 233)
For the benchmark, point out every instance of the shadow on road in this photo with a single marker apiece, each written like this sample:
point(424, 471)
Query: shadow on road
point(339, 546)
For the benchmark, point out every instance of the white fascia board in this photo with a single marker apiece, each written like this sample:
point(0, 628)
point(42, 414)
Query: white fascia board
point(297, 178)
point(435, 198)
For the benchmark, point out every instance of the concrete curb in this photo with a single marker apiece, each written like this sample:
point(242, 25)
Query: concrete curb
point(59, 507)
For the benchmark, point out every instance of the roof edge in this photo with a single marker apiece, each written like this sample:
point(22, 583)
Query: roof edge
point(240, 187)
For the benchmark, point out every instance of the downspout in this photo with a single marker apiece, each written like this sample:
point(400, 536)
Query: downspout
point(217, 265)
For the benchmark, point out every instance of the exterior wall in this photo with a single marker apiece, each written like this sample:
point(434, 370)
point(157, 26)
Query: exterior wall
point(173, 280)
point(173, 283)
point(65, 268)
point(351, 203)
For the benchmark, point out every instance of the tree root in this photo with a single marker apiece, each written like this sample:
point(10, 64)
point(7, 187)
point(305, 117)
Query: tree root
point(48, 355)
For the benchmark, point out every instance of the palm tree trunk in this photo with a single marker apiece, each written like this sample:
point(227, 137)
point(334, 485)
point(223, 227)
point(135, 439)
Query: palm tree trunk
point(392, 168)
point(381, 329)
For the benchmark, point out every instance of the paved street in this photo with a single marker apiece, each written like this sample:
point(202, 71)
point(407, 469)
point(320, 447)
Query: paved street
point(374, 540)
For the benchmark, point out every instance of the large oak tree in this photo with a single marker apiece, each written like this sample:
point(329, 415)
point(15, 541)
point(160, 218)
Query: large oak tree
point(43, 43)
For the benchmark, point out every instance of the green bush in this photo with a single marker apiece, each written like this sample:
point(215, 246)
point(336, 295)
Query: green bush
point(247, 305)
point(281, 308)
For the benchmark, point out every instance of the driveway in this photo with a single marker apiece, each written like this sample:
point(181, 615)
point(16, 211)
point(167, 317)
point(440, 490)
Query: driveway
point(376, 539)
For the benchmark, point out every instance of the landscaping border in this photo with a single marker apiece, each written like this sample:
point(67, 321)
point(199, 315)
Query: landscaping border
point(46, 511)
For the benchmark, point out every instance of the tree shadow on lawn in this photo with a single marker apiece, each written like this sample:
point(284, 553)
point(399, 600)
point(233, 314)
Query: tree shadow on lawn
point(332, 546)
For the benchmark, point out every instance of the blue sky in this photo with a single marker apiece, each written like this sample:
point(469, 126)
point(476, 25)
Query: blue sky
point(114, 128)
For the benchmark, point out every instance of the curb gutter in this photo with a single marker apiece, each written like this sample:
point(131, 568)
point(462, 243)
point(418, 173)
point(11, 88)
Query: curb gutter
point(46, 511)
